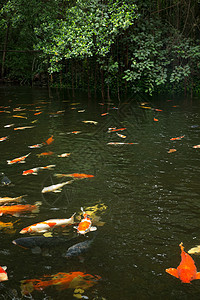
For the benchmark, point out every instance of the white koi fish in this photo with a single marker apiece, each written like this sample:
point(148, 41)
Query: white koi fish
point(22, 128)
point(55, 188)
point(45, 226)
point(90, 122)
point(18, 160)
point(34, 171)
point(3, 274)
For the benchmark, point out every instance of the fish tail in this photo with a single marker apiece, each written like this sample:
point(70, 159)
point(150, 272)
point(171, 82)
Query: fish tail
point(181, 246)
point(50, 167)
point(59, 175)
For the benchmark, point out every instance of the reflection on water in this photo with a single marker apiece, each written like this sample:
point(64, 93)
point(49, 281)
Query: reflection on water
point(152, 196)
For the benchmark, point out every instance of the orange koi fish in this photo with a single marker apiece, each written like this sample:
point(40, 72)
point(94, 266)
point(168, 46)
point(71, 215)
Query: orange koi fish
point(171, 150)
point(85, 225)
point(18, 160)
point(75, 175)
point(155, 120)
point(8, 225)
point(48, 225)
point(3, 274)
point(22, 128)
point(114, 130)
point(157, 109)
point(34, 171)
point(121, 135)
point(17, 209)
point(3, 138)
point(61, 280)
point(22, 117)
point(37, 113)
point(49, 141)
point(45, 153)
point(177, 138)
point(186, 270)
point(104, 114)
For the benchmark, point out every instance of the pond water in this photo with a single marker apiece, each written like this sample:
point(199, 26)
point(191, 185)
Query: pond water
point(150, 198)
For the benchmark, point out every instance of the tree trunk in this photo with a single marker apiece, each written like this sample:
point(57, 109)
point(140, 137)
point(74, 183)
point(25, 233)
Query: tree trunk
point(4, 52)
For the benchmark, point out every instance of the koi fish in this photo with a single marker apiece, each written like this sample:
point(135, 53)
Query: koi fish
point(48, 225)
point(37, 113)
point(78, 249)
point(3, 138)
point(36, 146)
point(22, 128)
point(18, 160)
point(64, 155)
point(34, 121)
point(85, 225)
point(81, 111)
point(3, 274)
point(19, 109)
point(194, 250)
point(45, 153)
point(114, 129)
point(120, 143)
point(72, 280)
point(49, 140)
point(155, 120)
point(8, 225)
point(22, 117)
point(157, 109)
point(75, 132)
point(9, 125)
point(55, 188)
point(17, 209)
point(34, 171)
point(121, 135)
point(37, 243)
point(186, 271)
point(197, 146)
point(171, 150)
point(104, 114)
point(9, 199)
point(177, 138)
point(75, 175)
point(90, 122)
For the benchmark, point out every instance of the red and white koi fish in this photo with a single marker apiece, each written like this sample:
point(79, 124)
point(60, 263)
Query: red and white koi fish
point(121, 135)
point(18, 160)
point(75, 132)
point(34, 171)
point(197, 146)
point(104, 114)
point(186, 270)
point(85, 225)
point(3, 274)
point(3, 138)
point(120, 143)
point(114, 129)
point(36, 146)
point(177, 138)
point(48, 225)
point(22, 128)
point(55, 188)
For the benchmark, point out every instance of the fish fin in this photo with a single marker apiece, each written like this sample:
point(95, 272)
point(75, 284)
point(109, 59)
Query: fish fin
point(48, 234)
point(93, 228)
point(16, 215)
point(173, 272)
point(22, 162)
point(34, 173)
point(5, 268)
point(75, 227)
point(198, 275)
point(57, 191)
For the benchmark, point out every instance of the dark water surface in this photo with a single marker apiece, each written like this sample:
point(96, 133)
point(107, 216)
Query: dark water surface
point(152, 196)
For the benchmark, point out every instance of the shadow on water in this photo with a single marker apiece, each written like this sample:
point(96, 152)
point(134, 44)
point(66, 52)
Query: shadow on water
point(152, 196)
